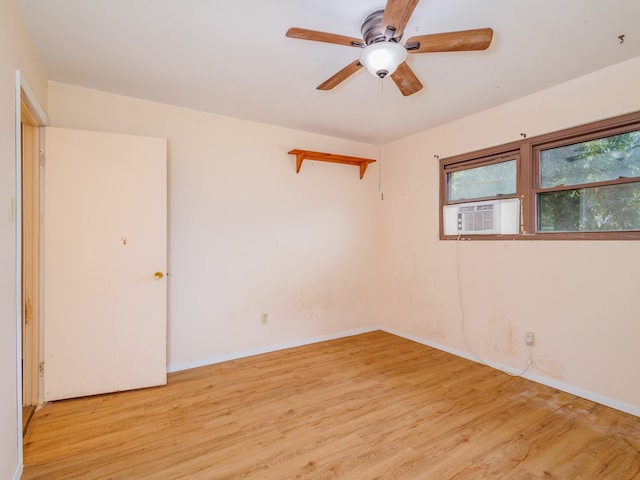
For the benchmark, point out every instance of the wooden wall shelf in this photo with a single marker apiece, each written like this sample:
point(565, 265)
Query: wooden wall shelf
point(301, 155)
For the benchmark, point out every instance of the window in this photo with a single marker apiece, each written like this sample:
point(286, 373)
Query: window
point(581, 183)
point(489, 181)
point(590, 186)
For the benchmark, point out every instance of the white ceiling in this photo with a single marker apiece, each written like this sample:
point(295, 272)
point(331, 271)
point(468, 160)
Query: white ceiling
point(232, 57)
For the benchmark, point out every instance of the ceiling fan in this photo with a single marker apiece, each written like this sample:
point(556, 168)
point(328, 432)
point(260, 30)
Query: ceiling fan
point(383, 54)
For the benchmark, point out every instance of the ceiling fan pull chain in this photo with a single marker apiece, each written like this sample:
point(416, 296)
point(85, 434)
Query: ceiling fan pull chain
point(380, 140)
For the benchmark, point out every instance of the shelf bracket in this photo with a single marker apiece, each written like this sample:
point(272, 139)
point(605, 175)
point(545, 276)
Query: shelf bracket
point(301, 155)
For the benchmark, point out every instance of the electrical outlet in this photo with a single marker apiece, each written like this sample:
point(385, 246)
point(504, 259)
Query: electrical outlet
point(530, 338)
point(264, 319)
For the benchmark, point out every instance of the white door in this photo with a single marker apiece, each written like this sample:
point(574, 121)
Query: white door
point(105, 244)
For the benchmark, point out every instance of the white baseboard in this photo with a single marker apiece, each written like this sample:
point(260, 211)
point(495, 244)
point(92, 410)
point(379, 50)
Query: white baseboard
point(18, 473)
point(268, 349)
point(594, 397)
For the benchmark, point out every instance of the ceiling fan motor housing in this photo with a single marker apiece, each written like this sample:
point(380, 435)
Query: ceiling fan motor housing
point(371, 31)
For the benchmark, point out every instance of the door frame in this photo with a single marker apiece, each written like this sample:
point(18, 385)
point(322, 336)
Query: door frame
point(24, 97)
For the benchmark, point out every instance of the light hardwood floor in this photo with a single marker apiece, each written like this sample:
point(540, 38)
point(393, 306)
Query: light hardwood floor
point(372, 406)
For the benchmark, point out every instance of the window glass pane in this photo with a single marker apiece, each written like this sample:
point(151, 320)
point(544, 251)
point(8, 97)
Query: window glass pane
point(610, 208)
point(594, 161)
point(482, 182)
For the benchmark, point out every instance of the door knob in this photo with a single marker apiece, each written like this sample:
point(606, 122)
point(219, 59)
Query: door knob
point(158, 275)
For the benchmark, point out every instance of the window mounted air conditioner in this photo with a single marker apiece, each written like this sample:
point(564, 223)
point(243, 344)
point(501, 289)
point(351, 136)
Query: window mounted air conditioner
point(491, 217)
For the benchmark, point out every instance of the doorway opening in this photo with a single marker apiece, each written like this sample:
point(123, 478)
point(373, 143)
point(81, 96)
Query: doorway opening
point(30, 264)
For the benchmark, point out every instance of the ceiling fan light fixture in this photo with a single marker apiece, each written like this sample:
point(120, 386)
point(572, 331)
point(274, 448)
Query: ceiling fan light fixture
point(382, 58)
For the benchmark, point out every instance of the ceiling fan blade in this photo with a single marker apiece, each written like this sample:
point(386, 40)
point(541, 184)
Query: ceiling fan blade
point(341, 76)
point(304, 34)
point(406, 80)
point(465, 40)
point(396, 15)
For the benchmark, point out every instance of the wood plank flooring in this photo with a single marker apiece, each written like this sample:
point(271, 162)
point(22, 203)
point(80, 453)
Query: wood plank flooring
point(372, 406)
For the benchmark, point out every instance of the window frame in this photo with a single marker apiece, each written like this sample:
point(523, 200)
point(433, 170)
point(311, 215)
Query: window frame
point(526, 152)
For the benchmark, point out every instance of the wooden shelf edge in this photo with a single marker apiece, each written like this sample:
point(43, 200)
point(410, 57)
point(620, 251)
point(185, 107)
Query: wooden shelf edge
point(301, 155)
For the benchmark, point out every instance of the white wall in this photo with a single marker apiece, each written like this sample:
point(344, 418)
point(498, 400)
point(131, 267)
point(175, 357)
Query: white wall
point(16, 52)
point(580, 298)
point(247, 234)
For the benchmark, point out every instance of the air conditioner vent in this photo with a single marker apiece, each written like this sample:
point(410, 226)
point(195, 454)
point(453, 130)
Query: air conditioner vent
point(478, 218)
